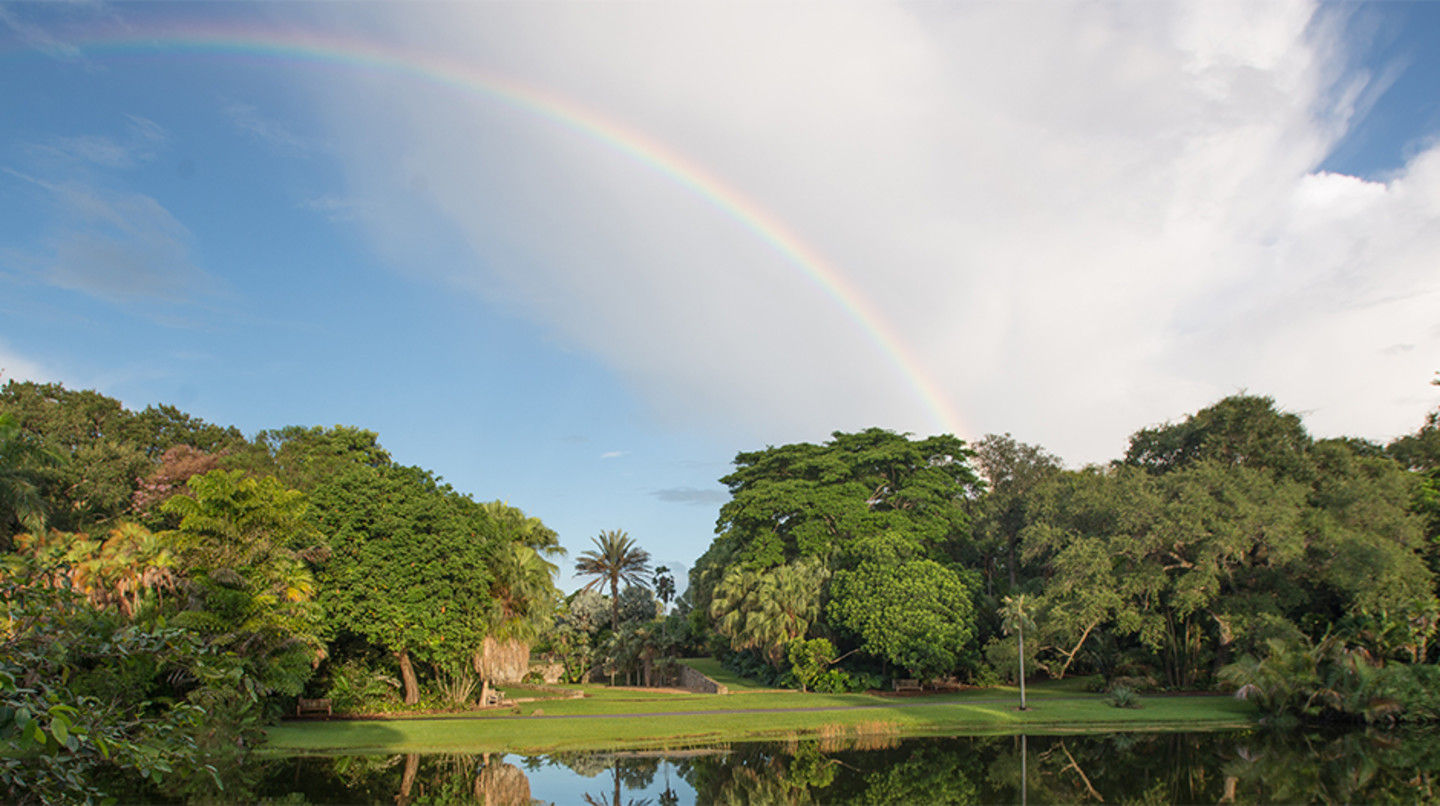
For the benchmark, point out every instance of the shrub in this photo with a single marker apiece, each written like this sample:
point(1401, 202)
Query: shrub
point(1124, 697)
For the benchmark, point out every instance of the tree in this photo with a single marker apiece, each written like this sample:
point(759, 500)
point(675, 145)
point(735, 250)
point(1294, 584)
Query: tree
point(809, 659)
point(664, 585)
point(177, 465)
point(409, 566)
point(912, 612)
point(524, 529)
point(1012, 470)
point(100, 449)
point(20, 461)
point(1015, 617)
point(766, 610)
point(807, 500)
point(240, 544)
point(615, 559)
point(524, 596)
point(1239, 431)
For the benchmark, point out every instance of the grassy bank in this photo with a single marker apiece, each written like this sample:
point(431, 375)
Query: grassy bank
point(627, 719)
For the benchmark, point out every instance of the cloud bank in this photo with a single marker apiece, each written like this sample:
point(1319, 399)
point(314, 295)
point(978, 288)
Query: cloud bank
point(1080, 219)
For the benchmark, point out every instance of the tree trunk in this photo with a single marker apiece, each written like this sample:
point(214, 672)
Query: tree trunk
point(407, 779)
point(1022, 669)
point(615, 605)
point(407, 674)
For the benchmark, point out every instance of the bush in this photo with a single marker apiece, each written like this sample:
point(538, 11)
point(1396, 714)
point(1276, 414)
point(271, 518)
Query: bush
point(356, 687)
point(1124, 697)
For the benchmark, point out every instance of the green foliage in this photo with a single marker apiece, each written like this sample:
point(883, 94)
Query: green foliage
point(664, 585)
point(1239, 431)
point(1216, 546)
point(808, 501)
point(765, 610)
point(67, 728)
point(809, 660)
point(357, 687)
point(409, 563)
point(306, 458)
point(1002, 656)
point(638, 605)
point(240, 542)
point(1012, 470)
point(915, 613)
point(615, 560)
point(21, 463)
point(1124, 697)
point(100, 450)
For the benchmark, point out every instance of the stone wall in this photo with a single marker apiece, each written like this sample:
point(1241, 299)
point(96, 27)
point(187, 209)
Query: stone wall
point(694, 681)
point(549, 673)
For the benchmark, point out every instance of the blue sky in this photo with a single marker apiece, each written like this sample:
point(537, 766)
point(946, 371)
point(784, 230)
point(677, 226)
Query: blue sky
point(1076, 220)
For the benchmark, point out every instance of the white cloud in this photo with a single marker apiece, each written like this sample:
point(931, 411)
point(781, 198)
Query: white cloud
point(247, 118)
point(15, 367)
point(614, 454)
point(138, 143)
point(115, 245)
point(1082, 219)
point(38, 37)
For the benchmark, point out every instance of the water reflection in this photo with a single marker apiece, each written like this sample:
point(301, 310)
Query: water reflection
point(1238, 767)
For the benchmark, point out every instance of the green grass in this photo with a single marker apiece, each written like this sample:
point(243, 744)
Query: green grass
point(1054, 708)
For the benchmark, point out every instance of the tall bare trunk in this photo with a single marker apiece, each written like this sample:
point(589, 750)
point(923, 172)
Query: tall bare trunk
point(614, 604)
point(1022, 669)
point(407, 674)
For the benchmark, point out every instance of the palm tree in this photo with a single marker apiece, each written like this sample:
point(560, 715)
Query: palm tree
point(766, 610)
point(1015, 615)
point(525, 529)
point(615, 559)
point(19, 483)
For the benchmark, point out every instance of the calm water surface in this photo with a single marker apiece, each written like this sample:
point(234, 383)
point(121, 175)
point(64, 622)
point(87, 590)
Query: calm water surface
point(1242, 767)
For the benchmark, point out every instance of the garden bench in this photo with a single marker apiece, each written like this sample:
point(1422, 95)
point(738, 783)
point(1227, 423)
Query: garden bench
point(306, 706)
point(907, 684)
point(495, 697)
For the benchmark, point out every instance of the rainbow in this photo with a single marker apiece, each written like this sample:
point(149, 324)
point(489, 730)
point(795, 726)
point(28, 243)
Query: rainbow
point(567, 114)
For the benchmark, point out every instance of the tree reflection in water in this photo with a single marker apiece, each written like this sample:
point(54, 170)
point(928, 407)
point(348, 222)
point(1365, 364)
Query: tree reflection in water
point(1238, 767)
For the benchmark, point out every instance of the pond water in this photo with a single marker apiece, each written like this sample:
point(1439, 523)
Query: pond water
point(1253, 766)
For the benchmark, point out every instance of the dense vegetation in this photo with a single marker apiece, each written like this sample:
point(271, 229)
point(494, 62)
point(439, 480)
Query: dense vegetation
point(171, 585)
point(1227, 549)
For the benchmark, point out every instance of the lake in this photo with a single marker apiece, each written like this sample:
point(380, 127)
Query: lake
point(1252, 766)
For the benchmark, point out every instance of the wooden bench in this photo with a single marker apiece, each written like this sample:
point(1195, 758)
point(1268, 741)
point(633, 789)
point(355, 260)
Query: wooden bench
point(495, 697)
point(305, 706)
point(907, 684)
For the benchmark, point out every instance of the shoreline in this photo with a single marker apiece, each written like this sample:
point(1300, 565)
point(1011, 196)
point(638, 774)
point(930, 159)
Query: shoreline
point(616, 721)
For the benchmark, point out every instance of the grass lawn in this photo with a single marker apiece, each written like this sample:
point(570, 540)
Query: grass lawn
point(626, 719)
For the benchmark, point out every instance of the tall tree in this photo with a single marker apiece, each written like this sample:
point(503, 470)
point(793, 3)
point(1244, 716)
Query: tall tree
point(809, 500)
point(241, 543)
point(101, 448)
point(910, 611)
point(1240, 431)
point(527, 530)
point(21, 460)
point(615, 559)
point(1012, 470)
point(409, 566)
point(765, 610)
point(1015, 618)
point(664, 585)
